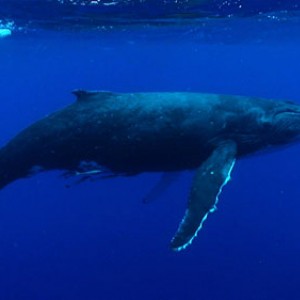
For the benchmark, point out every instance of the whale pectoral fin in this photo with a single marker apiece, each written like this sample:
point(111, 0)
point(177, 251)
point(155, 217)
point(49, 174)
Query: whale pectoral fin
point(207, 184)
point(162, 185)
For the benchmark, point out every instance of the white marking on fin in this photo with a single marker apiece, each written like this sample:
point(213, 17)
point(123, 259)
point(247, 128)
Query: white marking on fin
point(213, 209)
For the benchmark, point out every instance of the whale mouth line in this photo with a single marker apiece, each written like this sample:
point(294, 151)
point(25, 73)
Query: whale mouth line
point(287, 111)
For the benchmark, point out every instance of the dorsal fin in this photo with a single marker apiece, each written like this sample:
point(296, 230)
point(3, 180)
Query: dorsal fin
point(82, 95)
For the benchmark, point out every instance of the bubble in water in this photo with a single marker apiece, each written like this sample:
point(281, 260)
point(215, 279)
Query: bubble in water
point(4, 32)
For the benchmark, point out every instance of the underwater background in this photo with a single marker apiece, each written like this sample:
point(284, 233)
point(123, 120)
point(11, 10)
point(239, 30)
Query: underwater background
point(98, 240)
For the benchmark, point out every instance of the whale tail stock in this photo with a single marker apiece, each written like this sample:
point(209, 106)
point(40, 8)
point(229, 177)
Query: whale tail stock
point(12, 166)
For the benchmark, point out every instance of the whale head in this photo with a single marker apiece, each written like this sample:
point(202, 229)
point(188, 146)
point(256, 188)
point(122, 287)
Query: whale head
point(285, 124)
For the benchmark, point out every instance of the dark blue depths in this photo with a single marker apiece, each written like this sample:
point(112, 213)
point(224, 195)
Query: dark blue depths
point(98, 240)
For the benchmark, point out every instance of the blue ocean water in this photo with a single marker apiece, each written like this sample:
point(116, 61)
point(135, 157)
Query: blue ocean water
point(98, 240)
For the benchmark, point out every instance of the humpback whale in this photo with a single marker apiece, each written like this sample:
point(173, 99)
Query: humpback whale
point(126, 134)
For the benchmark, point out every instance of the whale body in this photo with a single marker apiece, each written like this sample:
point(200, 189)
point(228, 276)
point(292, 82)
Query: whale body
point(131, 133)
